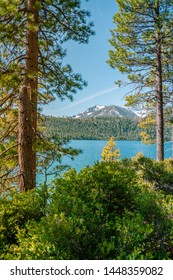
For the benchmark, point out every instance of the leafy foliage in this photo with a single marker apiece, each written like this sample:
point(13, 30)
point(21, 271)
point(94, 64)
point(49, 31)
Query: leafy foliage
point(107, 211)
point(16, 210)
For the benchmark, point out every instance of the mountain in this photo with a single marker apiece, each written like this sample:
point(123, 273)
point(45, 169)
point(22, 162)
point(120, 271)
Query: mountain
point(106, 111)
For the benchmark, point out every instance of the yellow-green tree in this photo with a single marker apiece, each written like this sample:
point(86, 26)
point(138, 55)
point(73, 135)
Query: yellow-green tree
point(109, 153)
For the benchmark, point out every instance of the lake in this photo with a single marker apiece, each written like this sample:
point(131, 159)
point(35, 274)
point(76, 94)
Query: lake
point(92, 149)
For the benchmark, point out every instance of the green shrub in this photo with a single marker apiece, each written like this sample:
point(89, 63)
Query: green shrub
point(16, 209)
point(160, 174)
point(103, 212)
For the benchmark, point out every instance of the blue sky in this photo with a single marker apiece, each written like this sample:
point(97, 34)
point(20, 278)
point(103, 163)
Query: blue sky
point(90, 61)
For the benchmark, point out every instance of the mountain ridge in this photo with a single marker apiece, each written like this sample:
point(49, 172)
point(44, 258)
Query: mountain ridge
point(106, 111)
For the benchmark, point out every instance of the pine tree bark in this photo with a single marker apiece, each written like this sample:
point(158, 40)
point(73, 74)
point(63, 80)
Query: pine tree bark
point(26, 175)
point(28, 104)
point(159, 120)
point(172, 141)
point(159, 96)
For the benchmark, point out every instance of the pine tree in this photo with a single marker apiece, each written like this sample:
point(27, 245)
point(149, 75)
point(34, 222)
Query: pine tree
point(109, 153)
point(32, 34)
point(142, 47)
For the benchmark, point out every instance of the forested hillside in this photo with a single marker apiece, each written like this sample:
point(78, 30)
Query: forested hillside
point(100, 128)
point(92, 128)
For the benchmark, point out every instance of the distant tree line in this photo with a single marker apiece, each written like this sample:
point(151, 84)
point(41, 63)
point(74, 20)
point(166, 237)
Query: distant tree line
point(100, 128)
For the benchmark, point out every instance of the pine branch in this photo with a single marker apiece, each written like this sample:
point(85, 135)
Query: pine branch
point(4, 152)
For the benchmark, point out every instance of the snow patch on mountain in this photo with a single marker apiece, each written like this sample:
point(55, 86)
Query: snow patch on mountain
point(98, 107)
point(106, 111)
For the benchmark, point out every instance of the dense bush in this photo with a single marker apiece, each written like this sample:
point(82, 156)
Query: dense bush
point(108, 211)
point(160, 174)
point(16, 210)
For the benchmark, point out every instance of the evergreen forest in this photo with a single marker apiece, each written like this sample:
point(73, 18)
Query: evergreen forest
point(99, 128)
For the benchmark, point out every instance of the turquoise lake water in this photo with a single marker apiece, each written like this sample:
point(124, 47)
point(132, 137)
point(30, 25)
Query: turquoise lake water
point(92, 149)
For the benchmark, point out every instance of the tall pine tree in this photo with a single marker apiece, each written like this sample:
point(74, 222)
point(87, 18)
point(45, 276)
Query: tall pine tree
point(142, 45)
point(32, 34)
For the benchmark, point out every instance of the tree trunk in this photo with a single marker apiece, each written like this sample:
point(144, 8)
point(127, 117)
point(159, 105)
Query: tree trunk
point(26, 172)
point(28, 104)
point(172, 136)
point(159, 104)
